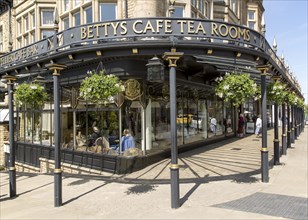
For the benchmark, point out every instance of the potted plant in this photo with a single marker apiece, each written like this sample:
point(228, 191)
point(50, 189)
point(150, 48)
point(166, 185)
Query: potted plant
point(31, 95)
point(100, 88)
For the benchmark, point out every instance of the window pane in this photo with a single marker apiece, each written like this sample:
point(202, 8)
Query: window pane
point(178, 12)
point(66, 23)
point(77, 18)
point(251, 24)
point(77, 3)
point(26, 19)
point(33, 19)
point(88, 15)
point(1, 39)
point(251, 15)
point(193, 3)
point(26, 40)
point(46, 33)
point(66, 5)
point(47, 17)
point(107, 11)
point(33, 37)
point(206, 10)
point(19, 26)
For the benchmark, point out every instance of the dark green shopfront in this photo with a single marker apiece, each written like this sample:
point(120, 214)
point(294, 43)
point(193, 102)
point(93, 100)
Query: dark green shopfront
point(133, 50)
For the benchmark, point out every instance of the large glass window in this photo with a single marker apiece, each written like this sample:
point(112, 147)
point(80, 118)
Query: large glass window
point(47, 17)
point(88, 15)
point(108, 11)
point(76, 17)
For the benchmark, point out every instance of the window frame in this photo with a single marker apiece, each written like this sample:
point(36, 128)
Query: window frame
point(64, 22)
point(85, 14)
point(42, 17)
point(74, 18)
point(107, 3)
point(183, 10)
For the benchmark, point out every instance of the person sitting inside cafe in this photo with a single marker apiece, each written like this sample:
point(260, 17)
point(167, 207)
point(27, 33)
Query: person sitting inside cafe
point(127, 140)
point(96, 134)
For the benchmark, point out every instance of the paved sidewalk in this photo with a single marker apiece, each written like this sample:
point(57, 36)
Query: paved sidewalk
point(220, 181)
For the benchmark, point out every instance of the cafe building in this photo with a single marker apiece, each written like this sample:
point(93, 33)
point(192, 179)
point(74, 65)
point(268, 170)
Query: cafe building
point(55, 44)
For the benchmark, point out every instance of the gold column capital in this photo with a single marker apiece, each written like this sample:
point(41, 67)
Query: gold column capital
point(276, 78)
point(263, 68)
point(172, 57)
point(10, 79)
point(56, 68)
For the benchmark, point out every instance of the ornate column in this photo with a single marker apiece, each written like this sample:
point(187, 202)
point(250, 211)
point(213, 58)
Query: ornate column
point(284, 135)
point(264, 149)
point(276, 135)
point(172, 57)
point(289, 127)
point(56, 68)
point(12, 169)
point(292, 125)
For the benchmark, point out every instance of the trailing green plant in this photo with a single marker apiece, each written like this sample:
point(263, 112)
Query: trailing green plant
point(30, 94)
point(277, 92)
point(100, 88)
point(292, 98)
point(235, 87)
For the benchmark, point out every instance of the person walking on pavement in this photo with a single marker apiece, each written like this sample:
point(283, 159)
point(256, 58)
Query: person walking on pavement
point(258, 125)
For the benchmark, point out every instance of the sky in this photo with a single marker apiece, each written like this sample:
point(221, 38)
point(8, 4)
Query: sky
point(286, 20)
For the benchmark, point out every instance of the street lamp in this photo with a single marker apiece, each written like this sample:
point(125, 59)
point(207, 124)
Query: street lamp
point(155, 70)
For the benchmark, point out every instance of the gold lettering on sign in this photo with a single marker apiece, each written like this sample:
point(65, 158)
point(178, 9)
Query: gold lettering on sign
point(123, 27)
point(181, 22)
point(159, 25)
point(96, 26)
point(90, 32)
point(148, 27)
point(115, 26)
point(200, 28)
point(105, 25)
point(214, 29)
point(221, 28)
point(83, 33)
point(135, 25)
point(191, 27)
point(168, 28)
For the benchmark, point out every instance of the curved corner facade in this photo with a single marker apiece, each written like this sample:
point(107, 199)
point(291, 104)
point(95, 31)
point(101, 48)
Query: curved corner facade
point(122, 38)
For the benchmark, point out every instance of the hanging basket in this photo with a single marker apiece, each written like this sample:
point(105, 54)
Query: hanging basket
point(100, 88)
point(235, 87)
point(31, 95)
